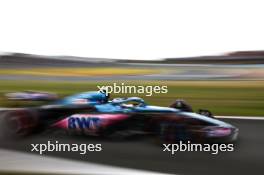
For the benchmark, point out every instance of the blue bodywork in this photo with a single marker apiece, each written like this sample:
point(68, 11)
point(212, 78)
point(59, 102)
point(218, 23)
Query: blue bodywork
point(89, 98)
point(118, 105)
point(100, 102)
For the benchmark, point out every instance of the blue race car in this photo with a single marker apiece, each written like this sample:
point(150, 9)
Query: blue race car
point(94, 114)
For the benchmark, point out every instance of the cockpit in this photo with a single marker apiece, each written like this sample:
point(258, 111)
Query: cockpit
point(129, 102)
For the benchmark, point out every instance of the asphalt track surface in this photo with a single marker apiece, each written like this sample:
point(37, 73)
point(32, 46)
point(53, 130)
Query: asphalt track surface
point(146, 154)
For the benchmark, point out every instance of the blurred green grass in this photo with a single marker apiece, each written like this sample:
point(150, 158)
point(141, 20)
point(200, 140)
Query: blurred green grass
point(221, 97)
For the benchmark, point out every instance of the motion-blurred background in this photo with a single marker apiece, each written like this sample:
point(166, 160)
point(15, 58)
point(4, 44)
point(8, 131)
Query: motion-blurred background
point(228, 84)
point(156, 43)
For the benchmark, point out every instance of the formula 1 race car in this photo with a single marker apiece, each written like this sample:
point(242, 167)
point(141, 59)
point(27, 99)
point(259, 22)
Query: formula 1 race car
point(94, 114)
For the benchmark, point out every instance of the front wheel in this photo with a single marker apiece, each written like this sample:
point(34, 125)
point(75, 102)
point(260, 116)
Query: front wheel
point(181, 105)
point(169, 132)
point(206, 113)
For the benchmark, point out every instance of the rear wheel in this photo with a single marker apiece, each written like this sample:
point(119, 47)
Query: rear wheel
point(18, 123)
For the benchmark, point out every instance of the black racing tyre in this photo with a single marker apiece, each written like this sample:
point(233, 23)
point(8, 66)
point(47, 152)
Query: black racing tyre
point(18, 123)
point(206, 113)
point(173, 132)
point(181, 105)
